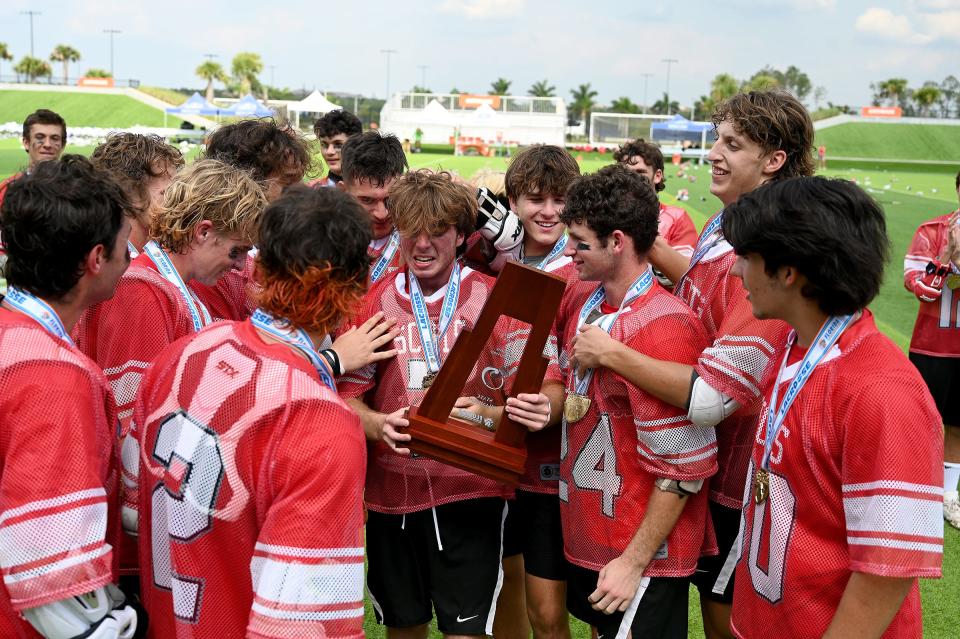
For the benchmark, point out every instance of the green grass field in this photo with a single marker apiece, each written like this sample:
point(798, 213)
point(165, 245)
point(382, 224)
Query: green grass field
point(909, 195)
point(83, 109)
point(892, 141)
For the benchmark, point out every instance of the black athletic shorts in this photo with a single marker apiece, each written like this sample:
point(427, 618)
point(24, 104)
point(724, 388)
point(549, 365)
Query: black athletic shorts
point(512, 542)
point(726, 525)
point(662, 611)
point(541, 535)
point(410, 573)
point(942, 375)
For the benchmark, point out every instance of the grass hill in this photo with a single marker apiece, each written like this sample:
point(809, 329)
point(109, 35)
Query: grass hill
point(82, 109)
point(892, 141)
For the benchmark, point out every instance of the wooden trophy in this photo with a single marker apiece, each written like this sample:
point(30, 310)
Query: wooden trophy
point(525, 294)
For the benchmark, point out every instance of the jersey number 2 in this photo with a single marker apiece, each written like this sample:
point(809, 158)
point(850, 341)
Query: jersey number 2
point(183, 505)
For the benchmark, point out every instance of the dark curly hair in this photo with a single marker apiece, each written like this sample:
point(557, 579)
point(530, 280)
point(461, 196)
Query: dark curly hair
point(335, 122)
point(540, 168)
point(260, 146)
point(829, 230)
point(650, 152)
point(776, 121)
point(52, 218)
point(132, 159)
point(312, 259)
point(373, 157)
point(615, 198)
point(44, 116)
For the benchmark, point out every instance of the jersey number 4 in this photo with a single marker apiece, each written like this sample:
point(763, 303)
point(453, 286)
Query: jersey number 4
point(183, 504)
point(595, 467)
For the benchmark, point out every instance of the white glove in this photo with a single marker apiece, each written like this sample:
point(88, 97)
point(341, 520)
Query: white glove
point(499, 225)
point(99, 614)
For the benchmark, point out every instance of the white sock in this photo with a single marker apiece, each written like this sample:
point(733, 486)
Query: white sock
point(951, 476)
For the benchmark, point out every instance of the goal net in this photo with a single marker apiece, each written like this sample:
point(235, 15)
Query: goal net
point(616, 128)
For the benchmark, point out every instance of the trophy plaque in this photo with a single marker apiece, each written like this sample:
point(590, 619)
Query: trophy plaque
point(525, 294)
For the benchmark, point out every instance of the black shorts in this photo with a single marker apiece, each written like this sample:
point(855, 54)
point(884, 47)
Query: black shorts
point(942, 375)
point(662, 611)
point(512, 539)
point(541, 535)
point(726, 525)
point(409, 575)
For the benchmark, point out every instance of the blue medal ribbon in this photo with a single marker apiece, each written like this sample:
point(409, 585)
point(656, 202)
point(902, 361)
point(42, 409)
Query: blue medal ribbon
point(199, 315)
point(828, 335)
point(132, 250)
point(296, 337)
point(711, 236)
point(37, 310)
point(641, 286)
point(386, 257)
point(557, 250)
point(429, 341)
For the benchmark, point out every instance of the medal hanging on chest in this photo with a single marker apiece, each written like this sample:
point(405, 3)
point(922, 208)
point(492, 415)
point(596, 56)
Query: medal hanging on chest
point(761, 486)
point(428, 340)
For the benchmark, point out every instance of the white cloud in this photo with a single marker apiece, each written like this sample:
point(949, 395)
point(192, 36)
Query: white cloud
point(807, 5)
point(885, 24)
point(936, 5)
point(945, 25)
point(483, 8)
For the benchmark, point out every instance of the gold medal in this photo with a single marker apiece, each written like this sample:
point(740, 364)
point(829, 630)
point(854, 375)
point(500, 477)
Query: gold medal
point(575, 407)
point(953, 281)
point(761, 486)
point(428, 380)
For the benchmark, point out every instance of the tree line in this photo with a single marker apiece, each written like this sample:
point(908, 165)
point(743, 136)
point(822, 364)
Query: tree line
point(33, 68)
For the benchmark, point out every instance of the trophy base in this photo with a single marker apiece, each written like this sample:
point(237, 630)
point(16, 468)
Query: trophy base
point(466, 446)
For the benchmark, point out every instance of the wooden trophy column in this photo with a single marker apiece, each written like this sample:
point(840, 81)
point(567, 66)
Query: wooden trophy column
point(525, 294)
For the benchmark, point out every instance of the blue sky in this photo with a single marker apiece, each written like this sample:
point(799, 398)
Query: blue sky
point(843, 45)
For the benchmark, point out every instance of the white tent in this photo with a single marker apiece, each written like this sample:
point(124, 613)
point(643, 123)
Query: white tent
point(316, 102)
point(436, 113)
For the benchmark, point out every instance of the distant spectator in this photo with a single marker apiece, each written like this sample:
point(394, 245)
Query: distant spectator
point(332, 131)
point(417, 140)
point(821, 157)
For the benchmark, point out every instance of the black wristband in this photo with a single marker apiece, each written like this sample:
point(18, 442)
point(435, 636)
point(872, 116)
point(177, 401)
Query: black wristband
point(333, 359)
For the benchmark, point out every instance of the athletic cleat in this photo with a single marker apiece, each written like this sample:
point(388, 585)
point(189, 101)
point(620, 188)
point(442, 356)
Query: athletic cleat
point(951, 508)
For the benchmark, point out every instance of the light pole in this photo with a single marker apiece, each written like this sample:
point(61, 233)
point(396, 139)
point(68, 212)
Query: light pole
point(210, 56)
point(389, 52)
point(31, 14)
point(423, 75)
point(112, 32)
point(646, 78)
point(669, 61)
point(272, 68)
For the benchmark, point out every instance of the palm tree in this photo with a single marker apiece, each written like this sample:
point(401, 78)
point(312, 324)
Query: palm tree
point(65, 54)
point(761, 82)
point(661, 106)
point(246, 67)
point(582, 103)
point(894, 89)
point(5, 52)
point(542, 89)
point(624, 104)
point(33, 68)
point(211, 72)
point(501, 86)
point(97, 73)
point(925, 96)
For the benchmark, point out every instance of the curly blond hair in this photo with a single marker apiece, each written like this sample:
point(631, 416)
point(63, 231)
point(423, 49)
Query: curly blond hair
point(208, 190)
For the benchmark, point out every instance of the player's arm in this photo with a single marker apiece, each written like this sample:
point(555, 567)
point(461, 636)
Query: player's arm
point(667, 260)
point(360, 346)
point(868, 605)
point(385, 427)
point(619, 579)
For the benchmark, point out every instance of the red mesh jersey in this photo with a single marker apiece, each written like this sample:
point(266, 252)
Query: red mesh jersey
point(397, 484)
point(123, 335)
point(232, 296)
point(59, 489)
point(5, 183)
point(734, 363)
point(677, 229)
point(856, 484)
point(252, 493)
point(611, 458)
point(937, 330)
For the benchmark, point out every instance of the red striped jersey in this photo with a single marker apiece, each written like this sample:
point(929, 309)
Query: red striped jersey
point(232, 297)
point(251, 493)
point(59, 485)
point(937, 330)
point(856, 485)
point(734, 363)
point(628, 439)
point(677, 229)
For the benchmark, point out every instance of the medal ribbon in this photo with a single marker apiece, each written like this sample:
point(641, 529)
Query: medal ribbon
point(711, 236)
point(199, 314)
point(640, 287)
point(296, 337)
point(37, 310)
point(429, 341)
point(386, 257)
point(132, 250)
point(554, 252)
point(828, 335)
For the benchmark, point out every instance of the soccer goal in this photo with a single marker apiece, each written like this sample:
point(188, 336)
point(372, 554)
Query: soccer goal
point(616, 128)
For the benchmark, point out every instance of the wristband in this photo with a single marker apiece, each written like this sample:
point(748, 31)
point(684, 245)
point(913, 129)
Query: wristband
point(333, 359)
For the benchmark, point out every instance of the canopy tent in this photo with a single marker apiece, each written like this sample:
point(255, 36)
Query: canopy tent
point(437, 113)
point(247, 107)
point(316, 102)
point(678, 129)
point(195, 105)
